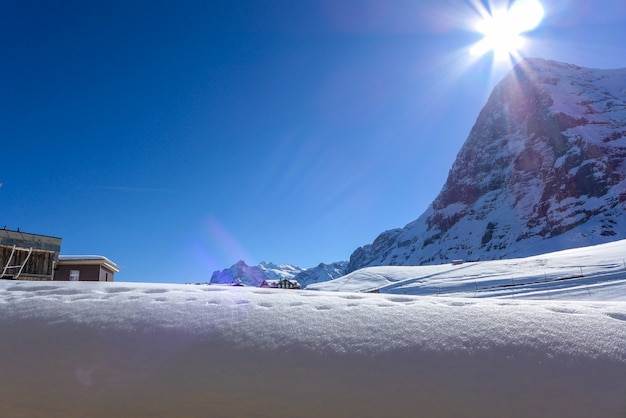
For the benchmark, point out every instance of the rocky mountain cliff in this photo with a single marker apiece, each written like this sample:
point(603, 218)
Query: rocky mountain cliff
point(543, 169)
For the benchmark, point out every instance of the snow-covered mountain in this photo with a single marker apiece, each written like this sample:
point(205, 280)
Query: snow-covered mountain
point(247, 275)
point(543, 169)
point(321, 273)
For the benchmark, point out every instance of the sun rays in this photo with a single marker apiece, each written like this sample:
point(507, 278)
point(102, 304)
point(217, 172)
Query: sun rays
point(503, 28)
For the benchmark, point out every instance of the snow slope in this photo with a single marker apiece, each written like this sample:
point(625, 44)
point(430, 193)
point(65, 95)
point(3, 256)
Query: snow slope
point(155, 350)
point(591, 273)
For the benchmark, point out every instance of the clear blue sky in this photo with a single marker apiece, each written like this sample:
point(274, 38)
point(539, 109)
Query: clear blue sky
point(177, 137)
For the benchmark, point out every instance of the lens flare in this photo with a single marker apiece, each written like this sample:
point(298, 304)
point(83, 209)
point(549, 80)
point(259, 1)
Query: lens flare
point(502, 29)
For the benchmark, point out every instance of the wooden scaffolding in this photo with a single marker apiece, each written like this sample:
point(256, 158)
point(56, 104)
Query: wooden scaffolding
point(26, 256)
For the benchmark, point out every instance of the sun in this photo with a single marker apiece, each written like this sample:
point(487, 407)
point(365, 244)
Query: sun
point(502, 28)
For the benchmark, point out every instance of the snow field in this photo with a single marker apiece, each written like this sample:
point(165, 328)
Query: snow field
point(589, 273)
point(154, 350)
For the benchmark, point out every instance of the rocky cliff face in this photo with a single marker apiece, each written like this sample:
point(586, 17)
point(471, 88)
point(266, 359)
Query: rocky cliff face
point(543, 169)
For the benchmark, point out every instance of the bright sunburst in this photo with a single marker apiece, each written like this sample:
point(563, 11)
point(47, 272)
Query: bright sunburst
point(503, 28)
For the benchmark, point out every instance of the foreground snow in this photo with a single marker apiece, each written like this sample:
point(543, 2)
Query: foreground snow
point(589, 273)
point(148, 350)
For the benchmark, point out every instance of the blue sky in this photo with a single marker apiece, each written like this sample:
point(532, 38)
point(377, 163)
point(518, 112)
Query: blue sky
point(177, 137)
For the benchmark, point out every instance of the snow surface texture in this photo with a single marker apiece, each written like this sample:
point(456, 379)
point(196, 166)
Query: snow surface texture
point(589, 273)
point(543, 169)
point(153, 350)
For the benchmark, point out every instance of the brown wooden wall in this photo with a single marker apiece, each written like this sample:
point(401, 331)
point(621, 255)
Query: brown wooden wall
point(39, 266)
point(106, 275)
point(88, 272)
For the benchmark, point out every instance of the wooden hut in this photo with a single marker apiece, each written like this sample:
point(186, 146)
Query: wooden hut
point(85, 268)
point(281, 284)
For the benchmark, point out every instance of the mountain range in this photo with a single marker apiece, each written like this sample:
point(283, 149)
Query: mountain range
point(543, 169)
point(241, 273)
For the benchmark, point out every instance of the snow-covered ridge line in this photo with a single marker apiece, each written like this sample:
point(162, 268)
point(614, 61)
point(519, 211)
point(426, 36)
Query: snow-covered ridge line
point(593, 273)
point(123, 349)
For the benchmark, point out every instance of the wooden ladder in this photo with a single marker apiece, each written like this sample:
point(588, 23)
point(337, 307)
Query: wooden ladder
point(17, 266)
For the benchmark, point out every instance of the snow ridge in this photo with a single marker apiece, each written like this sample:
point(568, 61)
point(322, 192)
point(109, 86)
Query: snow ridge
point(161, 350)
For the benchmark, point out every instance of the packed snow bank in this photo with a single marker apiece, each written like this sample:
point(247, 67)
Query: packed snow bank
point(148, 350)
point(590, 273)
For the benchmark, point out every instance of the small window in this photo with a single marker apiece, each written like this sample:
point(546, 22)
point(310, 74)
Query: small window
point(74, 275)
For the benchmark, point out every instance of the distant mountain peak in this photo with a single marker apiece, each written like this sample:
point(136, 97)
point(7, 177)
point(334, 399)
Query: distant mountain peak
point(240, 272)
